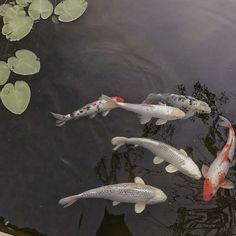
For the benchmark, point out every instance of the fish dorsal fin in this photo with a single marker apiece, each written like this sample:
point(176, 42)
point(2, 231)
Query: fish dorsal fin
point(227, 184)
point(160, 122)
point(93, 115)
point(115, 203)
point(157, 160)
point(144, 119)
point(105, 113)
point(204, 171)
point(138, 180)
point(171, 169)
point(183, 152)
point(139, 207)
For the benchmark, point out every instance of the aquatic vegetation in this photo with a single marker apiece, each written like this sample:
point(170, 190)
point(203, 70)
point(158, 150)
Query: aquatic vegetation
point(24, 63)
point(16, 97)
point(16, 23)
point(40, 8)
point(4, 72)
point(70, 10)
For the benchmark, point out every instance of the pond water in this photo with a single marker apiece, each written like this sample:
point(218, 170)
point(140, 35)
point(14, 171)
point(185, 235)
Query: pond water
point(129, 49)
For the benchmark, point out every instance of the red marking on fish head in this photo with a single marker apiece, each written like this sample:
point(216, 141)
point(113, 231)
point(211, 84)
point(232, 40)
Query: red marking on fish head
point(118, 99)
point(208, 190)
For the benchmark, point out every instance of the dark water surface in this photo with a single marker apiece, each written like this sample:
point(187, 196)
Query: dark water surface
point(126, 48)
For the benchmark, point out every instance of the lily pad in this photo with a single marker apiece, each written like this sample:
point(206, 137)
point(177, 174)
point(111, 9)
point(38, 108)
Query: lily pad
point(70, 10)
point(4, 72)
point(12, 12)
point(40, 8)
point(4, 8)
point(23, 3)
point(16, 98)
point(25, 63)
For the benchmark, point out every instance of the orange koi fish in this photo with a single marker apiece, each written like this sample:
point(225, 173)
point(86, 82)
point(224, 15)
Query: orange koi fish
point(215, 174)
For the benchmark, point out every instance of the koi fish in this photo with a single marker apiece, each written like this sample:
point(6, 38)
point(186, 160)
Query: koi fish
point(149, 111)
point(137, 192)
point(178, 159)
point(188, 103)
point(91, 110)
point(215, 174)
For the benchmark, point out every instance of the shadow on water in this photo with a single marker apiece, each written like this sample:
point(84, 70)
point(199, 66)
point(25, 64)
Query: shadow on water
point(11, 229)
point(113, 225)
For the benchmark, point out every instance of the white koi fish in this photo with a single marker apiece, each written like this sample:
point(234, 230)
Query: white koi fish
point(91, 110)
point(178, 159)
point(215, 174)
point(148, 111)
point(191, 104)
point(138, 193)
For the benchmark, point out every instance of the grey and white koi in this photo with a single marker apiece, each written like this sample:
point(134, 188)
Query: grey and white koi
point(191, 104)
point(149, 111)
point(91, 110)
point(138, 193)
point(178, 159)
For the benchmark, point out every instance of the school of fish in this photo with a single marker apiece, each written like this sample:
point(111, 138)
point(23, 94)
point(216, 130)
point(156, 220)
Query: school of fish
point(168, 107)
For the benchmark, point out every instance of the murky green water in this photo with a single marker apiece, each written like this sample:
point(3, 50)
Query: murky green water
point(129, 49)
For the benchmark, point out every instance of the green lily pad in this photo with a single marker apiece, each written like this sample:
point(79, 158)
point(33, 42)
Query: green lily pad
point(40, 8)
point(12, 12)
point(4, 72)
point(23, 3)
point(69, 10)
point(25, 63)
point(16, 24)
point(16, 98)
point(4, 8)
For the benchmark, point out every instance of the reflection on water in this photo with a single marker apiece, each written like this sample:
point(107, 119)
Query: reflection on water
point(113, 225)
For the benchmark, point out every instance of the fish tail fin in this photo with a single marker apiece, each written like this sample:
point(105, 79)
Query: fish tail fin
point(118, 142)
point(67, 201)
point(61, 119)
point(224, 122)
point(111, 103)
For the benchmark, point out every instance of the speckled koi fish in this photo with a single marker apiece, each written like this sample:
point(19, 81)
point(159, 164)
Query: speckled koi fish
point(215, 174)
point(188, 103)
point(138, 193)
point(178, 159)
point(148, 111)
point(91, 110)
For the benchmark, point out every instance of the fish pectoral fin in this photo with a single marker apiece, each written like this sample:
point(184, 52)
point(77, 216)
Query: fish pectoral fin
point(118, 146)
point(171, 169)
point(91, 116)
point(227, 184)
point(183, 152)
point(204, 171)
point(139, 207)
point(136, 145)
point(144, 119)
point(161, 104)
point(160, 122)
point(105, 113)
point(157, 160)
point(115, 203)
point(138, 180)
point(189, 114)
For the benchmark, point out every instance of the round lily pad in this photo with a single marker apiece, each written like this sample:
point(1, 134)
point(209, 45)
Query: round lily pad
point(40, 8)
point(70, 10)
point(16, 98)
point(23, 3)
point(24, 63)
point(4, 72)
point(4, 8)
point(16, 24)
